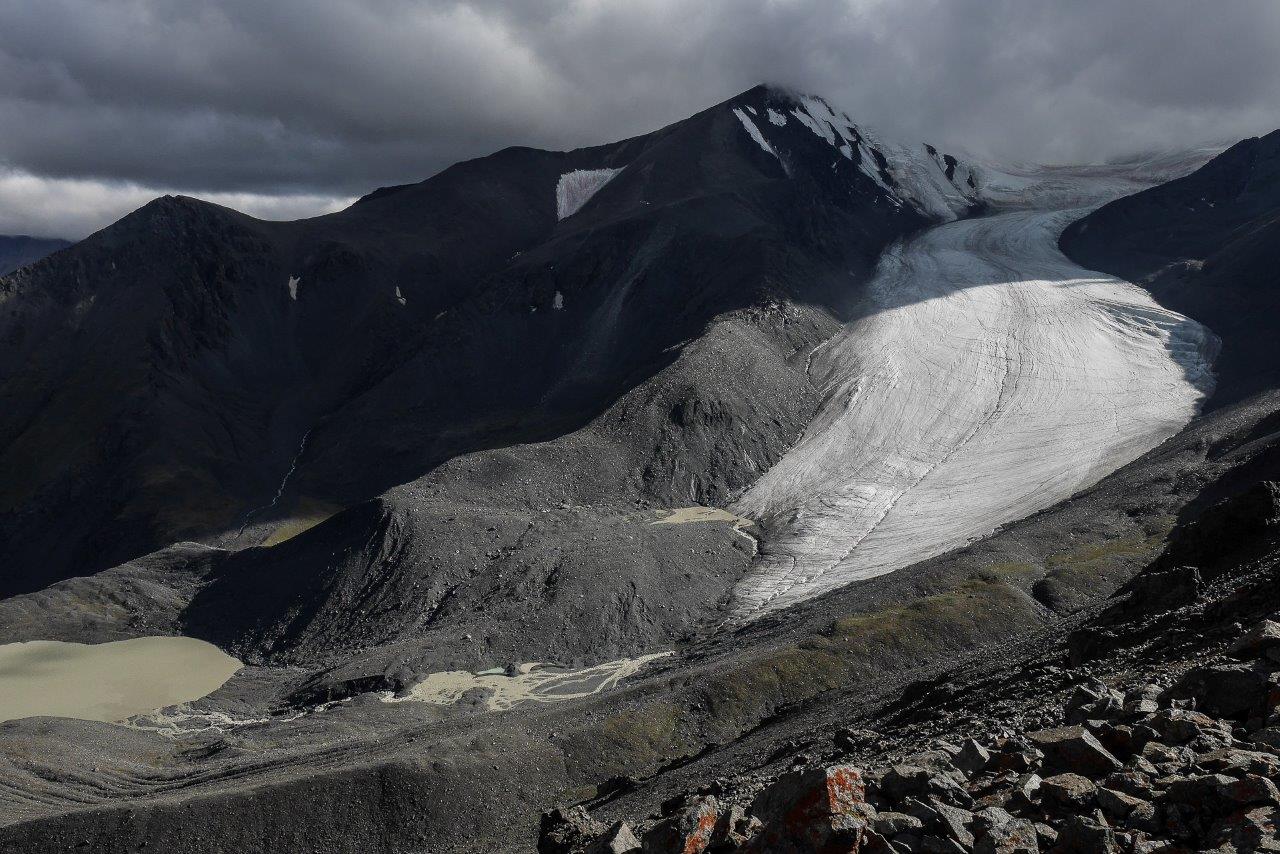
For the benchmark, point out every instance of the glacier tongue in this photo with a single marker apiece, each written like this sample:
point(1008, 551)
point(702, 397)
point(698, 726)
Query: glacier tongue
point(987, 378)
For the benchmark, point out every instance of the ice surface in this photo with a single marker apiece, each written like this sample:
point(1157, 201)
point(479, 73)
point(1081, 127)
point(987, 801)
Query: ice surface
point(987, 377)
point(575, 189)
point(754, 132)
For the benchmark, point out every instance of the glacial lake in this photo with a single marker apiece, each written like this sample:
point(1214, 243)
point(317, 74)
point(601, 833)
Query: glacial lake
point(109, 681)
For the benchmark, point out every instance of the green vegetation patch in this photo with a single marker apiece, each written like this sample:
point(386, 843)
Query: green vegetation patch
point(859, 648)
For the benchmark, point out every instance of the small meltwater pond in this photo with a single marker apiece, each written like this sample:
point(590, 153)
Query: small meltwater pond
point(533, 682)
point(109, 681)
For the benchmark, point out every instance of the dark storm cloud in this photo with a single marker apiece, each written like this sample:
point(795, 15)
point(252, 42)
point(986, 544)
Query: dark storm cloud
point(304, 103)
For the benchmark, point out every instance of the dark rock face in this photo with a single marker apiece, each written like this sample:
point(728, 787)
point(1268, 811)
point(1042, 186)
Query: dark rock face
point(193, 373)
point(19, 251)
point(1207, 245)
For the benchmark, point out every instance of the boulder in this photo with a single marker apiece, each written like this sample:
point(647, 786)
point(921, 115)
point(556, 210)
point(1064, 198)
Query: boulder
point(908, 843)
point(1017, 836)
point(1073, 748)
point(942, 845)
point(851, 739)
point(1237, 691)
point(1142, 700)
point(618, 839)
point(954, 823)
point(1069, 791)
point(986, 820)
point(1180, 726)
point(1247, 791)
point(813, 810)
point(734, 829)
point(567, 831)
point(687, 830)
point(1093, 701)
point(972, 759)
point(1237, 762)
point(1086, 834)
point(1015, 754)
point(1115, 803)
point(1262, 641)
point(1123, 740)
point(893, 823)
point(1046, 834)
point(901, 781)
point(1267, 737)
point(1131, 782)
point(1026, 791)
point(1252, 829)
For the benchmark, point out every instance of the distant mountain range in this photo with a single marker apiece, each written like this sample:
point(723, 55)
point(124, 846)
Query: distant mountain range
point(18, 250)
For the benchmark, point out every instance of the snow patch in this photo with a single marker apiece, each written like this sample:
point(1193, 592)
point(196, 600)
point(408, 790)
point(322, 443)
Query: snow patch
point(558, 302)
point(821, 129)
point(777, 118)
point(399, 296)
point(575, 189)
point(754, 132)
point(294, 281)
point(919, 174)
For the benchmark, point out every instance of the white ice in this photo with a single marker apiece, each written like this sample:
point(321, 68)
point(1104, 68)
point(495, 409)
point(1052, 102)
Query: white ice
point(575, 189)
point(986, 377)
point(754, 132)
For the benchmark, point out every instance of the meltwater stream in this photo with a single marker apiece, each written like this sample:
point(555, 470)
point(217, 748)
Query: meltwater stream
point(986, 378)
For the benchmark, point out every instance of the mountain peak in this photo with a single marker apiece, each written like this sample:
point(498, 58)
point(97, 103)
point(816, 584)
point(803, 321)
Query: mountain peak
point(784, 121)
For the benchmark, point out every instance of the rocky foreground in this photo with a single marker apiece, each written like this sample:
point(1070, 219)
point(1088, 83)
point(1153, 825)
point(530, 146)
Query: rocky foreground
point(1189, 766)
point(1154, 726)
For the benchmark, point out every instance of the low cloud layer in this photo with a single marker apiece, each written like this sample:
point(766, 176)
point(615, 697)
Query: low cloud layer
point(291, 107)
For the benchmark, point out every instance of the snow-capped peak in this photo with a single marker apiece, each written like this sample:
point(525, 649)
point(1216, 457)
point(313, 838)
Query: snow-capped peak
point(937, 185)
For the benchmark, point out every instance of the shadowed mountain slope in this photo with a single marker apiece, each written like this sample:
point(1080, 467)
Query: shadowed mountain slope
point(1207, 245)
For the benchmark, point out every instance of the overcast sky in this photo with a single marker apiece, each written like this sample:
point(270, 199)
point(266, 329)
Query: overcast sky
point(286, 108)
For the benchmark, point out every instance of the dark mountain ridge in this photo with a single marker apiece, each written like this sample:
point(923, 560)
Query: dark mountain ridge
point(178, 365)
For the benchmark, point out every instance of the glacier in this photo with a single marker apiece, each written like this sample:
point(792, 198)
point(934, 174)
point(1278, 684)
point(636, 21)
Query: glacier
point(984, 377)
